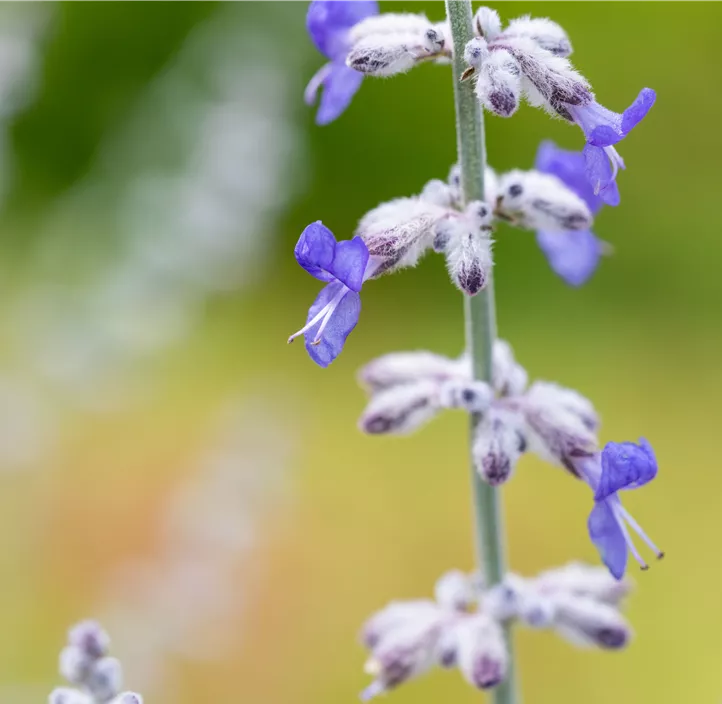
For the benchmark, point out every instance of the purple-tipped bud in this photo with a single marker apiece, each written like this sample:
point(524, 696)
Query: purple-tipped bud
point(481, 653)
point(498, 83)
point(468, 253)
point(401, 409)
point(105, 678)
point(456, 591)
point(405, 652)
point(498, 445)
point(64, 695)
point(587, 623)
point(90, 638)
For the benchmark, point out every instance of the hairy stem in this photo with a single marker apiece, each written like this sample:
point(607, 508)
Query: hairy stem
point(479, 317)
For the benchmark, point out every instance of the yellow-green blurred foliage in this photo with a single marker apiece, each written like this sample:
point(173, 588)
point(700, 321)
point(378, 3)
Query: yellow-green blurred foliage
point(364, 520)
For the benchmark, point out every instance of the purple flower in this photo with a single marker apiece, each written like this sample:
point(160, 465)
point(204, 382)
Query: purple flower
point(328, 23)
point(573, 255)
point(619, 466)
point(604, 128)
point(335, 312)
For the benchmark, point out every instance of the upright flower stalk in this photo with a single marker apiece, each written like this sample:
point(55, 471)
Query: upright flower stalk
point(479, 320)
point(466, 626)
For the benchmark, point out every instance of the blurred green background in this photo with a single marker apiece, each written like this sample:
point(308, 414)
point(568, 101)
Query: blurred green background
point(111, 401)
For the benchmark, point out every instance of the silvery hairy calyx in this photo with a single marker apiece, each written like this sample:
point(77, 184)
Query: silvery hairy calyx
point(455, 215)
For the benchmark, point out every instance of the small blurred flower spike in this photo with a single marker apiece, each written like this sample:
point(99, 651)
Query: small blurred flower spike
point(408, 389)
point(467, 625)
point(329, 23)
point(84, 662)
point(462, 627)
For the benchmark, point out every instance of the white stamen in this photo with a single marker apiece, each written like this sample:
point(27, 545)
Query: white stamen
point(311, 323)
point(615, 506)
point(309, 94)
point(334, 304)
point(638, 529)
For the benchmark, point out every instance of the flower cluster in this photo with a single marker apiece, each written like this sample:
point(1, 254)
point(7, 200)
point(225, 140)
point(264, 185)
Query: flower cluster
point(396, 234)
point(84, 662)
point(407, 389)
point(462, 626)
point(527, 59)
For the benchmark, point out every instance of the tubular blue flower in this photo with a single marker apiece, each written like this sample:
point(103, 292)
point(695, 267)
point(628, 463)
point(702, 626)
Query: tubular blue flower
point(619, 466)
point(574, 255)
point(328, 23)
point(335, 312)
point(604, 128)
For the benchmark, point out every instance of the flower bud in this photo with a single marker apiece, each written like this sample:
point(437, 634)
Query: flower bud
point(487, 23)
point(481, 653)
point(498, 83)
point(585, 581)
point(476, 52)
point(389, 23)
point(404, 653)
point(90, 638)
point(556, 434)
point(498, 445)
point(391, 53)
point(401, 409)
point(408, 367)
point(74, 664)
point(468, 250)
point(470, 396)
point(547, 34)
point(509, 377)
point(585, 622)
point(105, 678)
point(438, 193)
point(455, 590)
point(541, 201)
point(127, 698)
point(550, 394)
point(395, 615)
point(65, 695)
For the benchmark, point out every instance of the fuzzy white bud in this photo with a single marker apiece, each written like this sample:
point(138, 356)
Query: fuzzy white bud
point(491, 184)
point(547, 393)
point(468, 247)
point(407, 367)
point(455, 590)
point(74, 664)
point(389, 23)
point(498, 83)
point(395, 615)
point(401, 409)
point(476, 52)
point(584, 580)
point(542, 202)
point(587, 623)
point(487, 23)
point(89, 637)
point(65, 695)
point(497, 446)
point(509, 377)
point(105, 678)
point(127, 698)
point(438, 193)
point(546, 33)
point(481, 653)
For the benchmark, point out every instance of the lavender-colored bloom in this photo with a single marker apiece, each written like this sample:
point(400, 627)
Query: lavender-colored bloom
point(573, 255)
point(328, 23)
point(604, 128)
point(335, 312)
point(619, 466)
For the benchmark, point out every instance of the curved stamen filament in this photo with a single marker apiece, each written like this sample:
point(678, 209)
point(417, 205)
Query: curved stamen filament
point(311, 322)
point(614, 505)
point(333, 305)
point(638, 529)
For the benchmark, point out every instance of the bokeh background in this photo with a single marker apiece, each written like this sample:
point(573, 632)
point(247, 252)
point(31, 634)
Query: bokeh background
point(170, 466)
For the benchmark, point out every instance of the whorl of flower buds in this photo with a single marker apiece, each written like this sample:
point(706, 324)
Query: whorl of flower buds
point(389, 44)
point(462, 627)
point(84, 662)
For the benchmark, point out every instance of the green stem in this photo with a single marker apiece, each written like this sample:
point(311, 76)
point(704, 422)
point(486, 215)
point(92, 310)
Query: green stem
point(480, 318)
